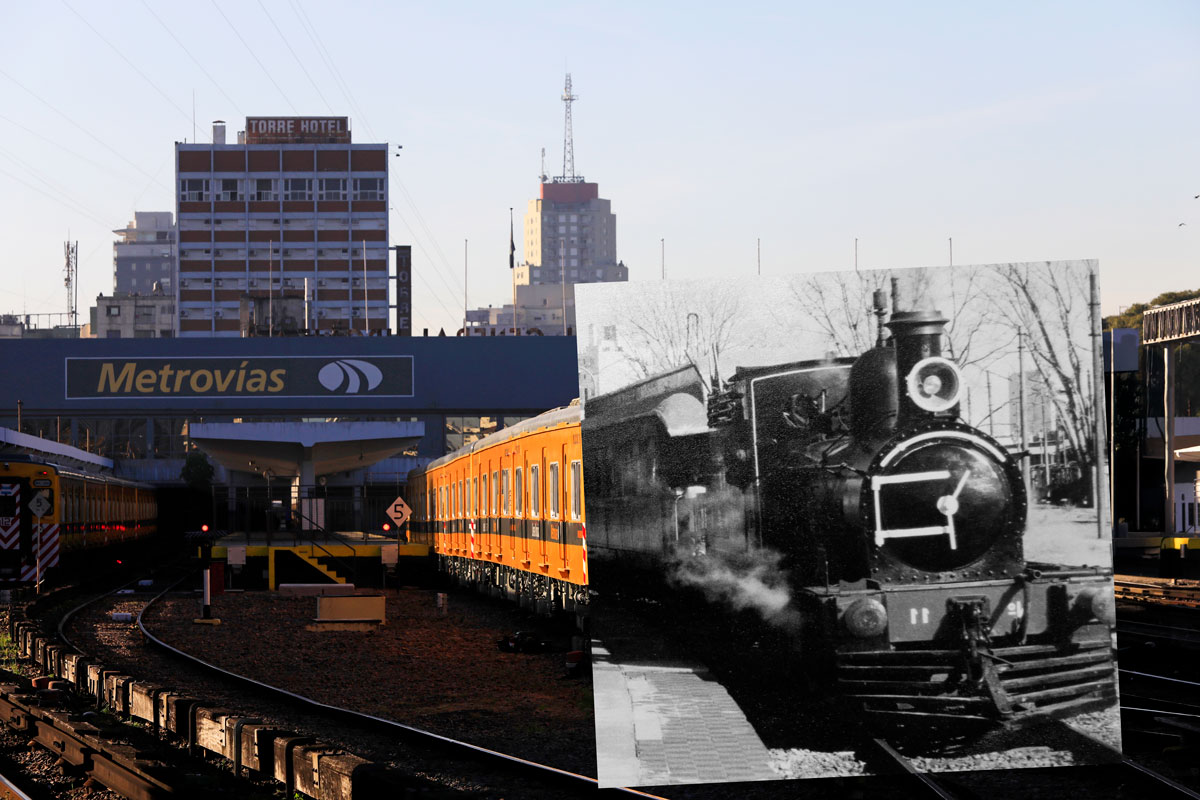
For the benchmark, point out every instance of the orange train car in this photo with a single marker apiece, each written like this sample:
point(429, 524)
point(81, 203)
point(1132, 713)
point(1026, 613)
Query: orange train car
point(505, 513)
point(47, 510)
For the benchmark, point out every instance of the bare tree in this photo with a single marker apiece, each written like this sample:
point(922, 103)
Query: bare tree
point(839, 308)
point(836, 307)
point(660, 331)
point(1050, 305)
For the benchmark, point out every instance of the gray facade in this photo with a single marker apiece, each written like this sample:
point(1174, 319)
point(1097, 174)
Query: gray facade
point(144, 255)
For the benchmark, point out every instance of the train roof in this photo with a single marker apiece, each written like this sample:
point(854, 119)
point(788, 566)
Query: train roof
point(749, 373)
point(71, 472)
point(549, 419)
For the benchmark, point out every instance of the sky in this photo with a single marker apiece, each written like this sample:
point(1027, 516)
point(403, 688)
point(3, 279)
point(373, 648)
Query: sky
point(1021, 131)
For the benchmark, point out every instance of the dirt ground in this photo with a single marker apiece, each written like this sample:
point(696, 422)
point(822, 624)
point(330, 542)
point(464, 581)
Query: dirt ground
point(443, 673)
point(1063, 535)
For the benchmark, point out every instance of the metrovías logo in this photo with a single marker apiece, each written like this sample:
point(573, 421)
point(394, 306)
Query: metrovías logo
point(351, 373)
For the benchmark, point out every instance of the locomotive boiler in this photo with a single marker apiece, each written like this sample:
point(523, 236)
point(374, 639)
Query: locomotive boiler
point(899, 528)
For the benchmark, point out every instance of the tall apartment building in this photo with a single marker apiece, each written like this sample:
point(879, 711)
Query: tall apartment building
point(570, 225)
point(284, 232)
point(144, 254)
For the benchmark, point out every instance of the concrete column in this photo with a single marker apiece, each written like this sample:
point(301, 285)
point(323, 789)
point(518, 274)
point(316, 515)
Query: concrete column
point(1169, 437)
point(358, 508)
point(304, 487)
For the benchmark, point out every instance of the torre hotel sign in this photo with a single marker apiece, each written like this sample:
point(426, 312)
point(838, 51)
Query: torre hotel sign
point(297, 130)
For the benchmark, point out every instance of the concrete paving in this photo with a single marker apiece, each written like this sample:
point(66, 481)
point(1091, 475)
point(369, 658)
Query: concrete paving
point(663, 721)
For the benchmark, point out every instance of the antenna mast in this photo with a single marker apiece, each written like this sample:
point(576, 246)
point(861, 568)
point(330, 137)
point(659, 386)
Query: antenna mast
point(71, 251)
point(568, 175)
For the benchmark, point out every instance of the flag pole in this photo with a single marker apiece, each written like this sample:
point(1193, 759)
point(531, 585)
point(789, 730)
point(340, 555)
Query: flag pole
point(512, 271)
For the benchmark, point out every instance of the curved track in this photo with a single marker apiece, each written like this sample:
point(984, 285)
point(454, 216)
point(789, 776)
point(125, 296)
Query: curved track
point(466, 766)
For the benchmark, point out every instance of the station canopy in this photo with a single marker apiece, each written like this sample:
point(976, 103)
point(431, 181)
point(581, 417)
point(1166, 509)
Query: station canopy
point(303, 449)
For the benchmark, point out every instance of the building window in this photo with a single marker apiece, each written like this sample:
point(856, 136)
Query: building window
point(113, 334)
point(368, 188)
point(113, 311)
point(297, 189)
point(231, 190)
point(193, 190)
point(264, 190)
point(333, 189)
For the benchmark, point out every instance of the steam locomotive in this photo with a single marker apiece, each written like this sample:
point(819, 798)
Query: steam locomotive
point(895, 528)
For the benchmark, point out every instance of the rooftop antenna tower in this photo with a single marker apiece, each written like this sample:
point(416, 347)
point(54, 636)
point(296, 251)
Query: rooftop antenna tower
point(542, 175)
point(568, 175)
point(71, 251)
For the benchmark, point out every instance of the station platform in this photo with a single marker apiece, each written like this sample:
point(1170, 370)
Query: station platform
point(287, 556)
point(1155, 541)
point(662, 721)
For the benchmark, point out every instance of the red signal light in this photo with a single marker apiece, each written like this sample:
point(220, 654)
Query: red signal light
point(204, 529)
point(387, 526)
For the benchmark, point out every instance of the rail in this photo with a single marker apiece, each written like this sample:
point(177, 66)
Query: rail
point(571, 780)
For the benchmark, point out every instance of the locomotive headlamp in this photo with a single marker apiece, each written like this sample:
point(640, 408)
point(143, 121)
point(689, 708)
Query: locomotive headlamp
point(866, 617)
point(934, 384)
point(1094, 602)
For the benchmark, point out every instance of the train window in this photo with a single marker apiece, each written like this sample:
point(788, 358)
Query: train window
point(483, 495)
point(554, 490)
point(576, 489)
point(471, 489)
point(454, 498)
point(518, 494)
point(535, 491)
point(495, 493)
point(505, 481)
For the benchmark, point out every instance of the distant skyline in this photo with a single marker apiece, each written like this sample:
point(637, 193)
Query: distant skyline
point(1024, 132)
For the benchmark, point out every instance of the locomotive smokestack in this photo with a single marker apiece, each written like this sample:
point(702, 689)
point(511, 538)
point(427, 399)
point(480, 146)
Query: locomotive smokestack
point(929, 384)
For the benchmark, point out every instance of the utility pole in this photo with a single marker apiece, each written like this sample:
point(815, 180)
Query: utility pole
point(1021, 407)
point(1101, 502)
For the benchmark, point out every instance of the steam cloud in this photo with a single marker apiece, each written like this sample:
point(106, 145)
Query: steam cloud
point(745, 581)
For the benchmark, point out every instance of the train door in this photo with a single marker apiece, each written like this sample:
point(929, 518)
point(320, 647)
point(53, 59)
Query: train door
point(562, 510)
point(505, 504)
point(550, 503)
point(575, 497)
point(495, 498)
point(535, 507)
point(519, 525)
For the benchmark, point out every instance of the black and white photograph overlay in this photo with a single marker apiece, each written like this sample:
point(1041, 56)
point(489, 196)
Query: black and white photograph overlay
point(839, 520)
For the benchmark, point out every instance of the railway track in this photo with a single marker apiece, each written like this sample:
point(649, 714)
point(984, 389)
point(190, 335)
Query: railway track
point(267, 730)
point(1171, 592)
